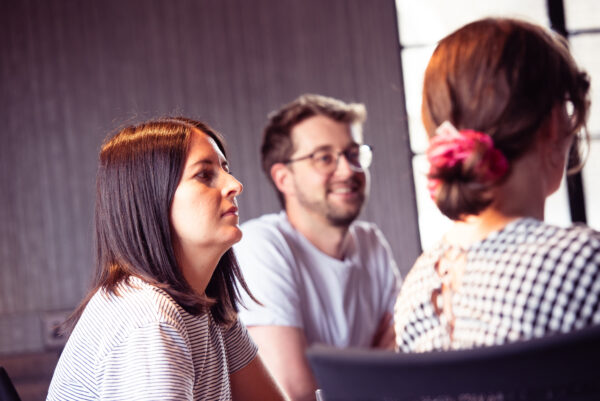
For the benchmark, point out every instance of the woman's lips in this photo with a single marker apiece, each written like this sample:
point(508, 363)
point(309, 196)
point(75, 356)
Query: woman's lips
point(232, 211)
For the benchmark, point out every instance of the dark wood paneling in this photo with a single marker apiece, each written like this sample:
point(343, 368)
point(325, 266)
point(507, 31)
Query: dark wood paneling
point(31, 373)
point(73, 71)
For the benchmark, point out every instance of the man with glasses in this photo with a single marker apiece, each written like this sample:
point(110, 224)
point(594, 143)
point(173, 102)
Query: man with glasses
point(321, 276)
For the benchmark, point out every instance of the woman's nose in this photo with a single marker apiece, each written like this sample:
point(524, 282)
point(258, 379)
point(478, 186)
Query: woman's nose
point(232, 186)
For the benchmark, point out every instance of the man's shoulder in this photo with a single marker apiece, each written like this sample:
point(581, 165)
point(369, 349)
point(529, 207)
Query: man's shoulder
point(266, 221)
point(365, 229)
point(269, 231)
point(274, 226)
point(369, 240)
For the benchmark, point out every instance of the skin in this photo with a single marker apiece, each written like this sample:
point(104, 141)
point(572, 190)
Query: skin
point(204, 217)
point(317, 203)
point(321, 207)
point(204, 213)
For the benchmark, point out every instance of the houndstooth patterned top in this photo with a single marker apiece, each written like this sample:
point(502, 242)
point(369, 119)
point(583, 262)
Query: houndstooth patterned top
point(527, 280)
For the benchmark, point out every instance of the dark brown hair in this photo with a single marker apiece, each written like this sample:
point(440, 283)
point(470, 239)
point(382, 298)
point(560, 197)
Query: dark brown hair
point(502, 77)
point(277, 146)
point(139, 171)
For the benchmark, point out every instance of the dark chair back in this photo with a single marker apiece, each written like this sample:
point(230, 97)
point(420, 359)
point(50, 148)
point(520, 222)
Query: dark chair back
point(559, 367)
point(7, 390)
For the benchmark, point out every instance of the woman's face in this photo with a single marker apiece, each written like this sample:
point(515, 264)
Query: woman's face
point(204, 213)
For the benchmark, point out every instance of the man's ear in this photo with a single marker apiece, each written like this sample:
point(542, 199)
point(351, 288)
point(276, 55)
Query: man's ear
point(282, 177)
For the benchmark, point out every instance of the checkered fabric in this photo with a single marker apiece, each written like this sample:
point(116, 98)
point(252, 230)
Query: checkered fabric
point(527, 280)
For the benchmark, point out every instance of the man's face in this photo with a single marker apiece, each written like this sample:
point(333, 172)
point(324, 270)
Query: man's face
point(337, 196)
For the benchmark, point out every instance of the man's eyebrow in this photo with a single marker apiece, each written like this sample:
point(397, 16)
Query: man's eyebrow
point(330, 147)
point(322, 147)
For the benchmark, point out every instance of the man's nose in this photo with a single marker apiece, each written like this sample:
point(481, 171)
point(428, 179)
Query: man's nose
point(344, 168)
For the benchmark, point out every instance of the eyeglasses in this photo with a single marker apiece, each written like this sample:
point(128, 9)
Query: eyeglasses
point(359, 158)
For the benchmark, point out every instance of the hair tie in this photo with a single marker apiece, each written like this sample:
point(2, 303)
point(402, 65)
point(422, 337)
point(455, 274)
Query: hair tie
point(451, 147)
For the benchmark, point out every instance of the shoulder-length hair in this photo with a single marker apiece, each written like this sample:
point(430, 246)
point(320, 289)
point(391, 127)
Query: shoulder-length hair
point(139, 170)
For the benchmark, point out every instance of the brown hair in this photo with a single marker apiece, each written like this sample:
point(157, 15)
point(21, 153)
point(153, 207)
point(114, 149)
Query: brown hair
point(277, 146)
point(139, 171)
point(501, 77)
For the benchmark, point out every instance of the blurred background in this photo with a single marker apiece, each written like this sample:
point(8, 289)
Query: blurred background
point(74, 71)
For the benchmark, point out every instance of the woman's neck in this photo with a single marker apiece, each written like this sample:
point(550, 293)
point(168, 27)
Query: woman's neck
point(475, 228)
point(523, 194)
point(197, 266)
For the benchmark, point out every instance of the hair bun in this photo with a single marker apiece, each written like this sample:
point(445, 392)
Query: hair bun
point(466, 159)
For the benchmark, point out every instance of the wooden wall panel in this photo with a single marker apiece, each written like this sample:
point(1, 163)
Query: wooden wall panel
point(72, 71)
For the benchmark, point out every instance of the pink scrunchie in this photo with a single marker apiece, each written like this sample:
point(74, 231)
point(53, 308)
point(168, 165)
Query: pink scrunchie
point(450, 147)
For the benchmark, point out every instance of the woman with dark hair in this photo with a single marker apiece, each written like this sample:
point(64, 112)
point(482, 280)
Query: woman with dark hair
point(504, 104)
point(161, 320)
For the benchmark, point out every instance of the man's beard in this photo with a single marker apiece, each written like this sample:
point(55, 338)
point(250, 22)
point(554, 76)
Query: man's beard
point(338, 216)
point(338, 219)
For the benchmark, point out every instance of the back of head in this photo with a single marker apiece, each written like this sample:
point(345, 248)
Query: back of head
point(277, 145)
point(500, 77)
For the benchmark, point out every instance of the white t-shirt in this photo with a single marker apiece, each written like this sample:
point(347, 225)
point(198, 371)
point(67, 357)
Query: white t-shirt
point(141, 345)
point(335, 302)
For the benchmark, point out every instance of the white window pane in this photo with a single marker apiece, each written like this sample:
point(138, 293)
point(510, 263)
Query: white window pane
point(591, 177)
point(557, 210)
point(432, 223)
point(427, 21)
point(414, 62)
point(582, 14)
point(585, 50)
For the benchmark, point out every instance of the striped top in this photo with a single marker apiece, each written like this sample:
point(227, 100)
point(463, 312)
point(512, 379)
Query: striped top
point(141, 344)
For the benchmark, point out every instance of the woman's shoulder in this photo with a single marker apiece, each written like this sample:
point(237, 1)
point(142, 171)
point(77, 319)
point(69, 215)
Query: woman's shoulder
point(529, 230)
point(111, 317)
point(422, 274)
point(534, 233)
point(135, 303)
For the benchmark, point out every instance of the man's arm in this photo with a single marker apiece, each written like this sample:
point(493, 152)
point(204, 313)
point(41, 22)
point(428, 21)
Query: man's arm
point(385, 336)
point(390, 282)
point(282, 349)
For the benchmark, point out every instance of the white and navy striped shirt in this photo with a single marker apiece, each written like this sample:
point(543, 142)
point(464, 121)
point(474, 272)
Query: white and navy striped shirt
point(141, 344)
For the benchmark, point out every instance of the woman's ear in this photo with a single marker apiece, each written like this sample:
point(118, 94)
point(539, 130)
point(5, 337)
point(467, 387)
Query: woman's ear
point(281, 176)
point(554, 138)
point(559, 136)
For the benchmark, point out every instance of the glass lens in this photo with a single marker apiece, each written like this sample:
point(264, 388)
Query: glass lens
point(324, 160)
point(365, 156)
point(353, 156)
point(358, 157)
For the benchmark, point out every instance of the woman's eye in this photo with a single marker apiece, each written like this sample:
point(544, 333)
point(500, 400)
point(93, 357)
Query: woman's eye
point(205, 175)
